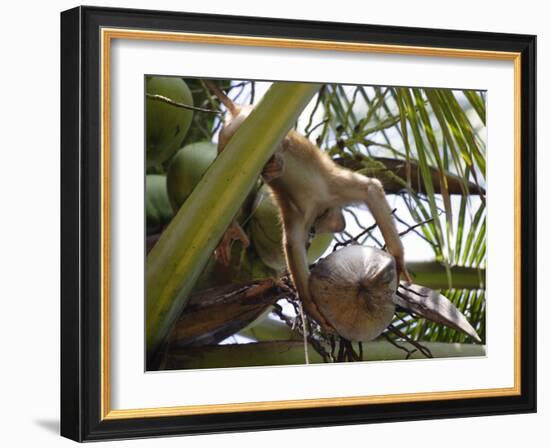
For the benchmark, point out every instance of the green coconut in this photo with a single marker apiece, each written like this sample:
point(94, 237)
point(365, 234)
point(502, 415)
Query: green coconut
point(166, 125)
point(266, 234)
point(158, 210)
point(187, 168)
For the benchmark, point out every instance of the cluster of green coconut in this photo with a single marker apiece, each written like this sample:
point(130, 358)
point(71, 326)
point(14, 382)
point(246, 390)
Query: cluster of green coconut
point(175, 165)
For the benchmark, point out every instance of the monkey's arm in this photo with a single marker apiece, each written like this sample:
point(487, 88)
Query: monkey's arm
point(380, 209)
point(352, 187)
point(272, 170)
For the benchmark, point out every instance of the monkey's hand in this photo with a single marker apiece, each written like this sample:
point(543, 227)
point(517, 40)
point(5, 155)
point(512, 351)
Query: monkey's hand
point(312, 310)
point(274, 168)
point(233, 233)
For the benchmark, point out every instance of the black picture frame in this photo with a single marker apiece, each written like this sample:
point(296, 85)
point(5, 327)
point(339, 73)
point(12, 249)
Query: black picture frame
point(81, 208)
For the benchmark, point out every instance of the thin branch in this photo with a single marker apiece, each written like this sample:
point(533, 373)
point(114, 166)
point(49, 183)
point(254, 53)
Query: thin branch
point(354, 239)
point(299, 327)
point(400, 347)
point(402, 221)
point(167, 100)
point(355, 217)
point(424, 350)
point(412, 228)
point(419, 224)
point(252, 91)
point(304, 331)
point(318, 125)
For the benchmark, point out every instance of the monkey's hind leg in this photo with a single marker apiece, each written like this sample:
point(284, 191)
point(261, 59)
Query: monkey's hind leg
point(296, 259)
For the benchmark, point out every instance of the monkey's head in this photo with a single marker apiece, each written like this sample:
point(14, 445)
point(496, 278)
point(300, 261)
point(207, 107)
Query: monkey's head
point(231, 123)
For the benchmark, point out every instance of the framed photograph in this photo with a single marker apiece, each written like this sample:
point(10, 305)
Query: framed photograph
point(277, 224)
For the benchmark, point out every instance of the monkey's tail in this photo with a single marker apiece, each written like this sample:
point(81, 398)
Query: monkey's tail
point(226, 101)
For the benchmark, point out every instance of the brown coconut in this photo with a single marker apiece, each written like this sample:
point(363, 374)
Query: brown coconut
point(353, 287)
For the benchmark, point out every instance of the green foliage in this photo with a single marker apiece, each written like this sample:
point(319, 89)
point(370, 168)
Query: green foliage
point(177, 259)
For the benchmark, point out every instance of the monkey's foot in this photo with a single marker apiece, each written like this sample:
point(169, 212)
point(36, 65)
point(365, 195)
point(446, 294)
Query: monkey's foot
point(313, 311)
point(402, 270)
point(274, 168)
point(222, 253)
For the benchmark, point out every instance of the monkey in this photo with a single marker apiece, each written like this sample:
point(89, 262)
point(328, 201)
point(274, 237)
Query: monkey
point(310, 191)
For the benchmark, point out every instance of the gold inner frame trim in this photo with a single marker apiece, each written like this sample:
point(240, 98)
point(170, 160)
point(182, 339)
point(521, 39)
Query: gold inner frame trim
point(107, 35)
